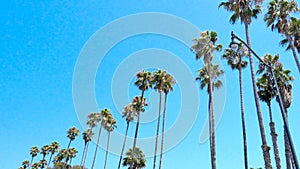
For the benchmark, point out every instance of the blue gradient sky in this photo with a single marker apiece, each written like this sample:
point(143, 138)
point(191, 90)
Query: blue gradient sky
point(41, 42)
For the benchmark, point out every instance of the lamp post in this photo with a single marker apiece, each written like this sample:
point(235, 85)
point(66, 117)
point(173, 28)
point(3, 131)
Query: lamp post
point(283, 112)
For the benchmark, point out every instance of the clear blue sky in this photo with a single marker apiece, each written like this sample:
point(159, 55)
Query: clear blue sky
point(40, 45)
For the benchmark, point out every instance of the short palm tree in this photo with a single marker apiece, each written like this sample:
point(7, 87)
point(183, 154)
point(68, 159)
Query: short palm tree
point(128, 113)
point(33, 152)
point(158, 77)
point(279, 17)
point(267, 92)
point(246, 11)
point(109, 126)
point(35, 166)
point(139, 160)
point(167, 86)
point(203, 47)
point(72, 152)
point(143, 82)
point(54, 148)
point(26, 164)
point(87, 137)
point(42, 163)
point(235, 60)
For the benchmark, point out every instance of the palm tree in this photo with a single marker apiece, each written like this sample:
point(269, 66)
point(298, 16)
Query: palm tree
point(267, 92)
point(278, 17)
point(72, 133)
point(204, 46)
point(167, 86)
point(139, 160)
point(33, 152)
point(26, 164)
point(45, 150)
point(97, 118)
point(42, 163)
point(143, 82)
point(109, 126)
point(245, 11)
point(128, 113)
point(158, 86)
point(72, 152)
point(87, 137)
point(54, 147)
point(35, 166)
point(235, 60)
point(93, 120)
point(284, 83)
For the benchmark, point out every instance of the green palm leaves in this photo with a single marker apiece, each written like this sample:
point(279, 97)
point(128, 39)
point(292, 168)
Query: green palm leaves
point(136, 157)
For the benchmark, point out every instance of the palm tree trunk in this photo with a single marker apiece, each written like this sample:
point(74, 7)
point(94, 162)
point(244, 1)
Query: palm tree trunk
point(67, 155)
point(107, 146)
point(49, 160)
point(85, 155)
point(163, 132)
point(157, 131)
point(31, 162)
point(265, 147)
point(287, 148)
point(274, 138)
point(123, 147)
point(97, 145)
point(136, 132)
point(243, 120)
point(294, 52)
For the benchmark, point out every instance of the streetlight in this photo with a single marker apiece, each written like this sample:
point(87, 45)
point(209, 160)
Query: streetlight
point(283, 113)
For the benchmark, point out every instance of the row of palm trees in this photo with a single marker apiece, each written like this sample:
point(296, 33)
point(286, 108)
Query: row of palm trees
point(160, 80)
point(278, 17)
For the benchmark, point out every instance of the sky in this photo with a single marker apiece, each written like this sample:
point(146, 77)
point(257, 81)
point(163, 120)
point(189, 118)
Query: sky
point(60, 60)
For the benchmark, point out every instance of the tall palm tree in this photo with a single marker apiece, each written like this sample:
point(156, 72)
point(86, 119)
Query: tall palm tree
point(284, 83)
point(87, 137)
point(33, 152)
point(54, 147)
point(129, 113)
point(279, 18)
point(94, 119)
point(267, 92)
point(139, 160)
point(143, 82)
point(245, 10)
point(109, 126)
point(167, 83)
point(204, 46)
point(45, 150)
point(72, 133)
point(235, 60)
point(100, 117)
point(158, 86)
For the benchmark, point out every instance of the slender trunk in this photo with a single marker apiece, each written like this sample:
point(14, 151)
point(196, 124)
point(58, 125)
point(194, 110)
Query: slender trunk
point(294, 51)
point(107, 146)
point(49, 160)
point(97, 145)
point(30, 165)
point(265, 147)
point(287, 148)
point(211, 120)
point(157, 130)
point(67, 155)
point(123, 147)
point(136, 133)
point(274, 138)
point(163, 132)
point(85, 155)
point(243, 120)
